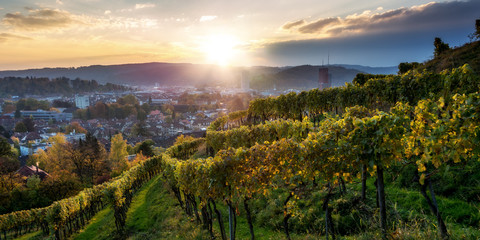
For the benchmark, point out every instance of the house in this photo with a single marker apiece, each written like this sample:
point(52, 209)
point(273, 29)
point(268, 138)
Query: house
point(28, 171)
point(32, 137)
point(26, 150)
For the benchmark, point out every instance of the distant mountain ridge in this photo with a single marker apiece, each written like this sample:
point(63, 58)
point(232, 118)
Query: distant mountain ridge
point(182, 74)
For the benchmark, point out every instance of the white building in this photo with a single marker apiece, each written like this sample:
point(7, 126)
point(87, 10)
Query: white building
point(82, 101)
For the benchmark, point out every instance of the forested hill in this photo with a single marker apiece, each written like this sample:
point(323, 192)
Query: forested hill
point(456, 57)
point(22, 86)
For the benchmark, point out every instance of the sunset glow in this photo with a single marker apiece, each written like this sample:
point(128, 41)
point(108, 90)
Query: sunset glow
point(219, 49)
point(48, 33)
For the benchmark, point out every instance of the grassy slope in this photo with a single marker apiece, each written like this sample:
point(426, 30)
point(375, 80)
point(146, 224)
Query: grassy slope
point(152, 215)
point(456, 57)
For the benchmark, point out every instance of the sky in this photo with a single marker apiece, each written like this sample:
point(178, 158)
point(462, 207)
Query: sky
point(73, 33)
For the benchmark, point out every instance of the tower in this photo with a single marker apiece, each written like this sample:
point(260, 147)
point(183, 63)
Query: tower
point(323, 78)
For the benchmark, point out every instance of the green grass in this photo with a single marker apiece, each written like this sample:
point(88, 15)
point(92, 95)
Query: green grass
point(153, 214)
point(243, 231)
point(101, 226)
point(31, 236)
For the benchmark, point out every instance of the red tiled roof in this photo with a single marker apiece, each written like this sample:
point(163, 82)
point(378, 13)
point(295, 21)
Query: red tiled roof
point(28, 171)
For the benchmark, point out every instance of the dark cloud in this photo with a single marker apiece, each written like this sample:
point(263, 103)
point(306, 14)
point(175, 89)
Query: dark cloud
point(7, 36)
point(376, 49)
point(289, 25)
point(424, 17)
point(319, 25)
point(39, 19)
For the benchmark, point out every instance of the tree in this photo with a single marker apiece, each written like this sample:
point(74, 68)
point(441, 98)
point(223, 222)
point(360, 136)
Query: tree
point(440, 46)
point(90, 159)
point(145, 147)
point(475, 35)
point(182, 138)
point(8, 107)
point(406, 66)
point(61, 104)
point(18, 114)
point(236, 104)
point(141, 115)
point(139, 129)
point(29, 124)
point(20, 127)
point(128, 99)
point(477, 28)
point(117, 158)
point(75, 126)
point(5, 148)
point(4, 132)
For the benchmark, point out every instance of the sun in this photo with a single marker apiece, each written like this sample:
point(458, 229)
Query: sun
point(219, 49)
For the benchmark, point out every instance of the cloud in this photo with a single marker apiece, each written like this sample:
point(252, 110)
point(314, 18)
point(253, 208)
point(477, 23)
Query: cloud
point(207, 18)
point(107, 12)
point(59, 2)
point(318, 25)
point(7, 36)
point(39, 19)
point(144, 5)
point(423, 17)
point(290, 25)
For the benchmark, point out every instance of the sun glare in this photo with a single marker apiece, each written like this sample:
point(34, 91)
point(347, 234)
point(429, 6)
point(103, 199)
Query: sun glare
point(219, 49)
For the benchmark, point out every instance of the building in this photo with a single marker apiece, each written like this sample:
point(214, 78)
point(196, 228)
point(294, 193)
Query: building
point(30, 149)
point(324, 79)
point(82, 101)
point(47, 115)
point(27, 171)
point(74, 137)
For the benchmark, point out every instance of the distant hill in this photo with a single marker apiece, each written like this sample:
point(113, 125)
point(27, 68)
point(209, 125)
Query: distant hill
point(181, 74)
point(306, 76)
point(371, 70)
point(456, 57)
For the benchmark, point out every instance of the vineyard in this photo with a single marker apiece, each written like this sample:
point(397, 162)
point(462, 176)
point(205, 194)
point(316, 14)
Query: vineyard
point(313, 155)
point(326, 140)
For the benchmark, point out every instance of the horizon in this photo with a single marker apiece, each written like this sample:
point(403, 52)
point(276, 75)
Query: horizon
point(66, 34)
point(207, 64)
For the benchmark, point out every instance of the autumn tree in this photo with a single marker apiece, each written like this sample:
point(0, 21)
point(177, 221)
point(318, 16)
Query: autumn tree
point(8, 107)
point(182, 138)
point(128, 99)
point(75, 126)
point(89, 158)
point(55, 160)
point(117, 158)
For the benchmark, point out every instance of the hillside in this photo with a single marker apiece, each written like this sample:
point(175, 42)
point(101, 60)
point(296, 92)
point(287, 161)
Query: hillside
point(181, 74)
point(302, 77)
point(456, 57)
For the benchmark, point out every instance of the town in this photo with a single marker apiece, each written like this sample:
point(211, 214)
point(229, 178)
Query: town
point(160, 114)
